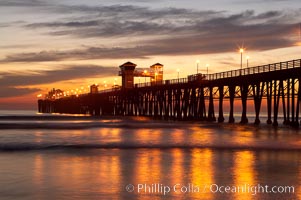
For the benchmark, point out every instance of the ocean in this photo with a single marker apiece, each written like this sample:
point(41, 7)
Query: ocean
point(51, 156)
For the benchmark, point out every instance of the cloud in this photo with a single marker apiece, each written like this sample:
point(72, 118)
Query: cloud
point(12, 85)
point(12, 23)
point(45, 77)
point(12, 92)
point(65, 24)
point(22, 3)
point(120, 20)
point(216, 39)
point(15, 46)
point(17, 85)
point(80, 54)
point(176, 32)
point(125, 21)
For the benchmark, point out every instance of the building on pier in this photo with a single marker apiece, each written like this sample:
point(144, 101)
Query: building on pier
point(157, 74)
point(127, 74)
point(94, 89)
point(128, 71)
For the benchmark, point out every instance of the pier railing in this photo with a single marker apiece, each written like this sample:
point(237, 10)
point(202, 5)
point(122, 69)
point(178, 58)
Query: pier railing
point(230, 74)
point(256, 70)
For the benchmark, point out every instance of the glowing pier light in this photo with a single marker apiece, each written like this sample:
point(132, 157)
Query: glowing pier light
point(197, 66)
point(247, 57)
point(241, 51)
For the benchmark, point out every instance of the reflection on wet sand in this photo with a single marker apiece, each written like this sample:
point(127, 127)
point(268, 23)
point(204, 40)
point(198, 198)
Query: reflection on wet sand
point(38, 174)
point(178, 136)
point(244, 174)
point(110, 170)
point(202, 172)
point(38, 136)
point(299, 188)
point(145, 136)
point(177, 167)
point(148, 167)
point(104, 173)
point(112, 135)
point(98, 163)
point(78, 175)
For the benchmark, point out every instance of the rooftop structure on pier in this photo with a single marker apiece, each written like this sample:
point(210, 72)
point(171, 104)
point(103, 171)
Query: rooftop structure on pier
point(129, 71)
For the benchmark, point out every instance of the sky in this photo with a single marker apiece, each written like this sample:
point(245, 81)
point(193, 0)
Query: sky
point(69, 44)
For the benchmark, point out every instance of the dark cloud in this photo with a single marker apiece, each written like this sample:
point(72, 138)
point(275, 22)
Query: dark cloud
point(13, 92)
point(216, 39)
point(80, 54)
point(114, 11)
point(269, 14)
point(17, 85)
point(119, 20)
point(65, 24)
point(107, 28)
point(45, 77)
point(178, 32)
point(15, 46)
point(22, 3)
point(11, 23)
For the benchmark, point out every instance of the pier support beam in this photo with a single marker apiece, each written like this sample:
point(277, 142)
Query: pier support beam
point(282, 94)
point(244, 89)
point(269, 101)
point(293, 102)
point(178, 104)
point(295, 105)
point(185, 103)
point(202, 107)
point(155, 102)
point(211, 116)
point(194, 103)
point(298, 104)
point(168, 108)
point(276, 104)
point(257, 94)
point(288, 92)
point(220, 110)
point(232, 95)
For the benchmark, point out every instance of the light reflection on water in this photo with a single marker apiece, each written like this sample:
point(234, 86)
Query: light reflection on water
point(201, 172)
point(244, 173)
point(157, 153)
point(104, 173)
point(299, 188)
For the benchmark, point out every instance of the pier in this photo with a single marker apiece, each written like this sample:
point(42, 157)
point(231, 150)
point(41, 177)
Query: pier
point(276, 86)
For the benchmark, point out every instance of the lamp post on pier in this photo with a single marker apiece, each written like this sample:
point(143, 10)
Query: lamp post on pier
point(197, 66)
point(115, 81)
point(104, 85)
point(247, 57)
point(241, 50)
point(145, 72)
point(178, 70)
